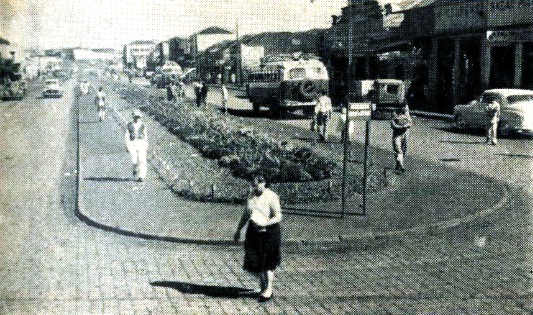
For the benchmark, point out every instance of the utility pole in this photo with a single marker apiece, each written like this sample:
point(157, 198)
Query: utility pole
point(346, 146)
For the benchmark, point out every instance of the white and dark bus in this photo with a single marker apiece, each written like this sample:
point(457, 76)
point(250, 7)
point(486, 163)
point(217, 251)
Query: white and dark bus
point(287, 83)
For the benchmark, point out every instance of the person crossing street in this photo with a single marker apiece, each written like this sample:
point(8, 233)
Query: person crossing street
point(137, 145)
point(492, 111)
point(400, 125)
point(262, 244)
point(101, 104)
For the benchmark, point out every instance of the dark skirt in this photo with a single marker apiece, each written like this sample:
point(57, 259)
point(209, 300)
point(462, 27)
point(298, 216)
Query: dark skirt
point(262, 250)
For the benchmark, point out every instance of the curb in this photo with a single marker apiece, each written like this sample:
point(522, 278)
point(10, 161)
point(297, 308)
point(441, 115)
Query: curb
point(364, 240)
point(420, 113)
point(432, 115)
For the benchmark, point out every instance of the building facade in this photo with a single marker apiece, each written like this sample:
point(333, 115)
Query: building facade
point(180, 51)
point(135, 54)
point(448, 51)
point(201, 41)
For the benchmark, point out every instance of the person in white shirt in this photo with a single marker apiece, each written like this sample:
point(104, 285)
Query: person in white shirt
point(323, 110)
point(137, 145)
point(224, 91)
point(492, 111)
point(262, 245)
point(101, 103)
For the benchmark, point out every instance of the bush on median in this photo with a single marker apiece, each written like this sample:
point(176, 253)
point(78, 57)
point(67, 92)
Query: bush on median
point(241, 149)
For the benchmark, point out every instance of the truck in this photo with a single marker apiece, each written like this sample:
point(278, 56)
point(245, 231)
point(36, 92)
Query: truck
point(385, 96)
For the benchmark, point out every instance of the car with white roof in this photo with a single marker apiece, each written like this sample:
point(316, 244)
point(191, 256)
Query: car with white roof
point(516, 111)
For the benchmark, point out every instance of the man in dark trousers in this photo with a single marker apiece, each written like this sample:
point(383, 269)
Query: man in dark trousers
point(203, 93)
point(198, 93)
point(170, 92)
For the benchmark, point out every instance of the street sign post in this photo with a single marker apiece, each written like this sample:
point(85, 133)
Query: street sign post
point(357, 111)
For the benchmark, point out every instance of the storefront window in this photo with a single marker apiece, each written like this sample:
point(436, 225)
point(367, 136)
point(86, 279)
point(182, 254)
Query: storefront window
point(527, 66)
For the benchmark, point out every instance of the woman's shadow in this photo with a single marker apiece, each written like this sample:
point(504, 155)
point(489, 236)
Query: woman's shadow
point(207, 290)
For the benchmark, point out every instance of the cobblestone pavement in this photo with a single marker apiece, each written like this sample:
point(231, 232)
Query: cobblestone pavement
point(54, 264)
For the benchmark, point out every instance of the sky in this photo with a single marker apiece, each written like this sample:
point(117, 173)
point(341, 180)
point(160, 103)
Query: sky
point(112, 23)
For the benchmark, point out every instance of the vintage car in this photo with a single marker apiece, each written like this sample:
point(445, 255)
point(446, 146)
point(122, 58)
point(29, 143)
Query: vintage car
point(52, 88)
point(516, 111)
point(13, 90)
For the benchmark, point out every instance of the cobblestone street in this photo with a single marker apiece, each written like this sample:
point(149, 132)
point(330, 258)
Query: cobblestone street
point(56, 264)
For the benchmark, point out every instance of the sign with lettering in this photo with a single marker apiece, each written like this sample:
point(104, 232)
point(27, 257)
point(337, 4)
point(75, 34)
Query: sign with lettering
point(509, 12)
point(459, 16)
point(360, 110)
point(506, 36)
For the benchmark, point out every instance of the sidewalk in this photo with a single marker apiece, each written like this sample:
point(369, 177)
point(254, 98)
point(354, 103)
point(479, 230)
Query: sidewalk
point(431, 198)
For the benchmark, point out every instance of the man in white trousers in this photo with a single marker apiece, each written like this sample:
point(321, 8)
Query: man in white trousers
point(137, 145)
point(224, 91)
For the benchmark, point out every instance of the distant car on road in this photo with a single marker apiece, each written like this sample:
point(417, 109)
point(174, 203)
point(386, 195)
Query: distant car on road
point(516, 111)
point(52, 88)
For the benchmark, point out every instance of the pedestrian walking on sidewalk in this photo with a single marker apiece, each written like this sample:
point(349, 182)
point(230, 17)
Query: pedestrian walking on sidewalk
point(180, 87)
point(400, 124)
point(224, 91)
point(262, 245)
point(492, 112)
point(170, 92)
point(101, 103)
point(198, 93)
point(137, 145)
point(203, 93)
point(323, 110)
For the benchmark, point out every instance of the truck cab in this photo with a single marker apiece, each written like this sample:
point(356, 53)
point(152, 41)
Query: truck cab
point(386, 96)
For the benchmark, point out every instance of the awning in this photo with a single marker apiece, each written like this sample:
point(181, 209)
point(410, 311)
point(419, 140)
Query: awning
point(400, 45)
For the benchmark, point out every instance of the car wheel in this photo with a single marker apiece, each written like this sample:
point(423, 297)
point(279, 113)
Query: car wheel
point(459, 122)
point(256, 107)
point(308, 111)
point(504, 129)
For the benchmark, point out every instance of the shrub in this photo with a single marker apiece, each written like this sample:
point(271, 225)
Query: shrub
point(239, 147)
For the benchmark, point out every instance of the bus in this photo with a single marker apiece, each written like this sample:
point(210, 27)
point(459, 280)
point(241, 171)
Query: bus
point(286, 83)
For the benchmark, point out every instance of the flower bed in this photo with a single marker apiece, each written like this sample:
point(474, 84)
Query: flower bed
point(239, 148)
point(297, 174)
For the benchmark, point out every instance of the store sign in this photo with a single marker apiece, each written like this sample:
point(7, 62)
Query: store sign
point(360, 110)
point(509, 12)
point(471, 15)
point(459, 16)
point(506, 36)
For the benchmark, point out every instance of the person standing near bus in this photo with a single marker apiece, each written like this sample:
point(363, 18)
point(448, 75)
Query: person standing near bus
point(323, 110)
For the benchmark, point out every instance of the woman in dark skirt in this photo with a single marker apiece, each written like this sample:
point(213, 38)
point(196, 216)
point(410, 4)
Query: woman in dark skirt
point(263, 235)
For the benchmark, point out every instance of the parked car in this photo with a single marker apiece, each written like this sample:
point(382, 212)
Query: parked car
point(14, 90)
point(516, 111)
point(52, 88)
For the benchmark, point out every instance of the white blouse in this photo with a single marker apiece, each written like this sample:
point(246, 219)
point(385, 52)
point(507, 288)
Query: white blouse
point(264, 210)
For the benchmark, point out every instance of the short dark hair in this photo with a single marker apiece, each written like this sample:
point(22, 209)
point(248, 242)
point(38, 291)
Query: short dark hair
point(259, 179)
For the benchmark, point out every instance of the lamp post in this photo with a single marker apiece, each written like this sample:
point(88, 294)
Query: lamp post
point(346, 145)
